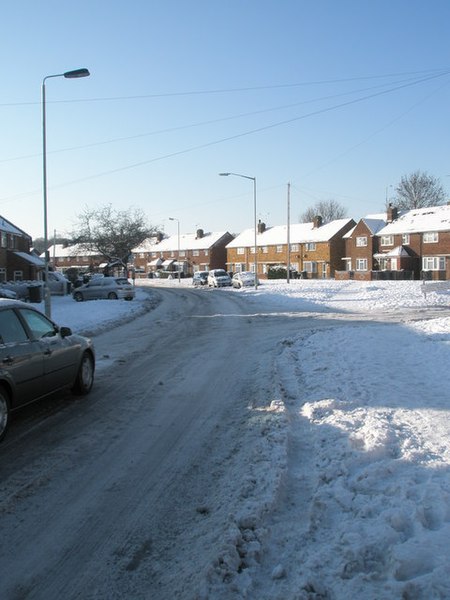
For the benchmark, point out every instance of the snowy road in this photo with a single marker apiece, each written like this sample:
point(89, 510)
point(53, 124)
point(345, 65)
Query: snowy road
point(161, 484)
point(126, 493)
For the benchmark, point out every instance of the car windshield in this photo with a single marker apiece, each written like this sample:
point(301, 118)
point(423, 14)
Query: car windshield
point(219, 273)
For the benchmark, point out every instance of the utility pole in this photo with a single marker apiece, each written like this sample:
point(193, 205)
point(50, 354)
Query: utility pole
point(288, 269)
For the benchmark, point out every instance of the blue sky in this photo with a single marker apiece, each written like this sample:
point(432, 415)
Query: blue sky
point(339, 98)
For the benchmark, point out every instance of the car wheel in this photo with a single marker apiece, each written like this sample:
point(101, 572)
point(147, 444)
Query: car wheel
point(112, 296)
point(4, 412)
point(78, 296)
point(85, 376)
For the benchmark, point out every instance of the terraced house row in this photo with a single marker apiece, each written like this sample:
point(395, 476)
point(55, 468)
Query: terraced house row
point(412, 244)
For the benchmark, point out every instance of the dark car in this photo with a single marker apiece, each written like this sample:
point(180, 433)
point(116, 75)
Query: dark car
point(38, 358)
point(200, 278)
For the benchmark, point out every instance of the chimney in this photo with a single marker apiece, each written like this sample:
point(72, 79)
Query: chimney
point(317, 222)
point(392, 213)
point(261, 226)
point(200, 234)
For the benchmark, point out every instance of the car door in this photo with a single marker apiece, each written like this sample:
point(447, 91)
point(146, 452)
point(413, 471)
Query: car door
point(22, 359)
point(60, 354)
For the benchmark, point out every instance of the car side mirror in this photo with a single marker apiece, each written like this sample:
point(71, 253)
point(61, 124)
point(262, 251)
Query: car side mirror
point(65, 331)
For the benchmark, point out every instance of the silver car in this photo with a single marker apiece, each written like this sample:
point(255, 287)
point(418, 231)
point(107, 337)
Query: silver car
point(218, 278)
point(110, 288)
point(244, 279)
point(38, 358)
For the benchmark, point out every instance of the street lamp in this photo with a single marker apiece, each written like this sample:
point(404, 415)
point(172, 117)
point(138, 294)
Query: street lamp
point(178, 230)
point(68, 75)
point(254, 210)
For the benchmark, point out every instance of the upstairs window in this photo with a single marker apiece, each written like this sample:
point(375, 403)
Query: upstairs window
point(279, 249)
point(405, 239)
point(294, 247)
point(241, 250)
point(387, 240)
point(361, 241)
point(430, 237)
point(310, 246)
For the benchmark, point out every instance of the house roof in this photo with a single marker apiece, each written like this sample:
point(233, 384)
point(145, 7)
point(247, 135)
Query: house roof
point(31, 258)
point(61, 251)
point(396, 252)
point(188, 241)
point(7, 226)
point(433, 218)
point(298, 233)
point(373, 223)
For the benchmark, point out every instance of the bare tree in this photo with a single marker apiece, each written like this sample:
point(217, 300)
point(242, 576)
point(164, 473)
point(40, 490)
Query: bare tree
point(110, 233)
point(329, 210)
point(419, 190)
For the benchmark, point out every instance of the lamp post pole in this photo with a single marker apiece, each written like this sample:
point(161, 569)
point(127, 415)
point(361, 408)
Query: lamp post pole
point(68, 75)
point(178, 236)
point(255, 223)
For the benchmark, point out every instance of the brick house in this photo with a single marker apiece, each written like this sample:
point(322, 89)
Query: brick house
point(197, 251)
point(17, 262)
point(361, 246)
point(316, 249)
point(62, 257)
point(417, 240)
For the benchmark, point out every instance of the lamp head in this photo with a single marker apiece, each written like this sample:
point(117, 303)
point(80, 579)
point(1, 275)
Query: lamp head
point(224, 174)
point(76, 74)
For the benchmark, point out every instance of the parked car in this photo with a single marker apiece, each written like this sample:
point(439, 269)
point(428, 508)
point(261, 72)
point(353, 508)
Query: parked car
point(244, 279)
point(6, 293)
point(200, 278)
point(218, 278)
point(111, 288)
point(38, 358)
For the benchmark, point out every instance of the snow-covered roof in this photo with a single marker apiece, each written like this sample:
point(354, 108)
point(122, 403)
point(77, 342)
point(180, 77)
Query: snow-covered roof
point(188, 241)
point(5, 225)
point(61, 251)
point(298, 233)
point(396, 252)
point(31, 258)
point(433, 218)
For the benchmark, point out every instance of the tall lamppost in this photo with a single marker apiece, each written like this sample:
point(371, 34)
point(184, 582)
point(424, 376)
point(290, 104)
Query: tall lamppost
point(178, 234)
point(254, 211)
point(68, 75)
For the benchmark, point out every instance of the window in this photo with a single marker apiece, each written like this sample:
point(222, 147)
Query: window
point(310, 246)
point(433, 263)
point(18, 275)
point(206, 252)
point(182, 252)
point(2, 274)
point(294, 266)
point(430, 237)
point(239, 267)
point(361, 264)
point(310, 266)
point(11, 329)
point(279, 249)
point(195, 252)
point(387, 240)
point(39, 325)
point(4, 240)
point(252, 250)
point(241, 250)
point(154, 255)
point(265, 249)
point(361, 240)
point(294, 247)
point(405, 238)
